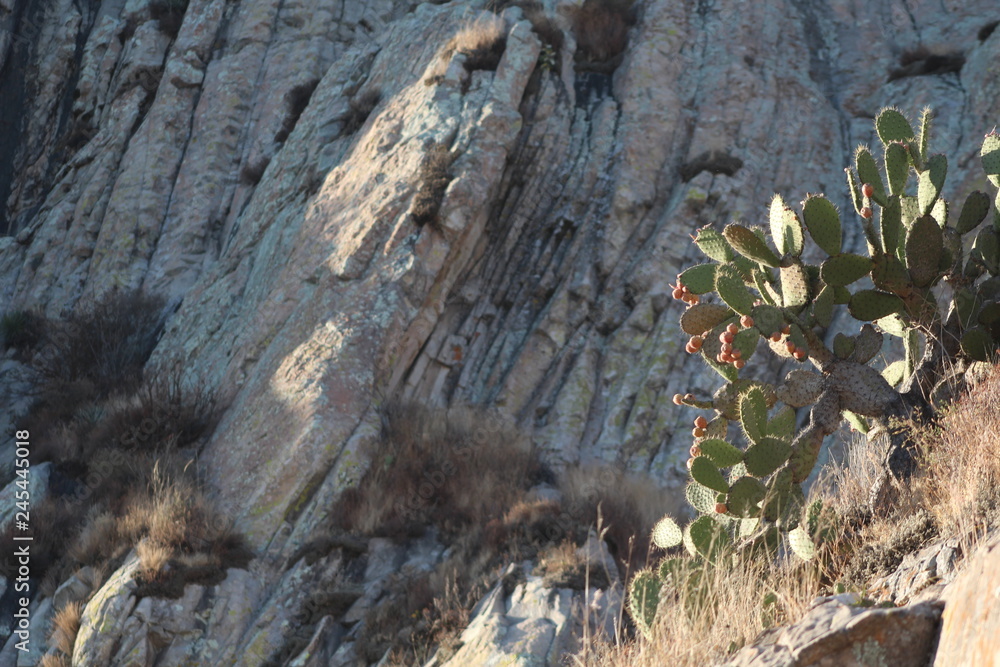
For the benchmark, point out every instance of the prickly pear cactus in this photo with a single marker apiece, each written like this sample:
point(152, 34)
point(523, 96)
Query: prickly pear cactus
point(757, 291)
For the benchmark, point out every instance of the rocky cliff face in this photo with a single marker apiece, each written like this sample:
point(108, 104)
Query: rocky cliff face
point(259, 163)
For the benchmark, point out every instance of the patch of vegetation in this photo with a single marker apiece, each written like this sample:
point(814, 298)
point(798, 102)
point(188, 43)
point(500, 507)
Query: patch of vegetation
point(482, 43)
point(435, 175)
point(169, 14)
point(360, 107)
point(296, 101)
point(21, 329)
point(601, 30)
point(252, 172)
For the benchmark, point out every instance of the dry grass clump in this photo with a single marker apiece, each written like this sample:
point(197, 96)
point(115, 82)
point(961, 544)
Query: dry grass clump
point(450, 469)
point(21, 329)
point(65, 626)
point(629, 507)
point(482, 43)
point(961, 462)
point(435, 176)
point(359, 108)
point(601, 29)
point(735, 603)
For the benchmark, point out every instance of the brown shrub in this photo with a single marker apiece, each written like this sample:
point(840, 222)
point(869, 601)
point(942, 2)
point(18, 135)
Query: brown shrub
point(629, 506)
point(360, 107)
point(106, 342)
point(452, 469)
point(252, 172)
point(296, 101)
point(434, 179)
point(601, 29)
point(482, 43)
point(961, 462)
point(169, 14)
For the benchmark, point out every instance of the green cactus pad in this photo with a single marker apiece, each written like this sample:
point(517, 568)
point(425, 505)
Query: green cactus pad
point(924, 245)
point(989, 314)
point(909, 209)
point(823, 306)
point(794, 286)
point(720, 452)
point(707, 474)
point(786, 229)
point(844, 269)
point(990, 155)
point(698, 319)
point(672, 570)
point(930, 183)
point(748, 244)
point(767, 319)
point(978, 344)
point(890, 275)
point(986, 250)
point(782, 424)
point(667, 534)
point(897, 167)
point(868, 173)
point(801, 544)
point(713, 245)
point(923, 138)
point(800, 388)
point(966, 305)
point(940, 213)
point(762, 281)
point(841, 296)
point(892, 125)
point(802, 460)
point(699, 497)
point(708, 539)
point(823, 222)
point(737, 471)
point(854, 187)
point(699, 279)
point(893, 373)
point(733, 291)
point(843, 346)
point(746, 342)
point(778, 499)
point(857, 422)
point(891, 226)
point(744, 497)
point(765, 457)
point(868, 305)
point(753, 414)
point(643, 601)
point(892, 325)
point(974, 211)
point(867, 344)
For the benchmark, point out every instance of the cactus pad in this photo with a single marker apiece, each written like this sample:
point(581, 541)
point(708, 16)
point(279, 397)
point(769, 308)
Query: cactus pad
point(730, 287)
point(699, 497)
point(800, 388)
point(897, 167)
point(748, 244)
point(843, 346)
point(643, 600)
point(786, 230)
point(745, 496)
point(753, 414)
point(720, 452)
point(823, 222)
point(990, 155)
point(707, 538)
point(707, 474)
point(801, 544)
point(890, 275)
point(986, 250)
point(891, 226)
point(794, 285)
point(698, 319)
point(977, 344)
point(868, 173)
point(924, 245)
point(713, 245)
point(822, 307)
point(766, 456)
point(782, 424)
point(844, 269)
point(868, 305)
point(667, 534)
point(892, 125)
point(867, 344)
point(974, 211)
point(699, 279)
point(930, 183)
